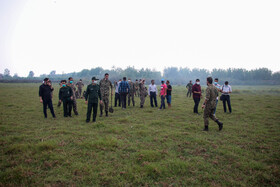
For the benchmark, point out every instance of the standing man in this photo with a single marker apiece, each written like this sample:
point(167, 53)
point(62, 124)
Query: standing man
point(196, 90)
point(117, 94)
point(105, 85)
point(74, 101)
point(218, 88)
point(142, 90)
point(152, 91)
point(123, 90)
point(80, 86)
point(45, 94)
point(131, 92)
point(66, 96)
point(209, 104)
point(226, 90)
point(189, 87)
point(163, 89)
point(168, 93)
point(91, 96)
point(136, 88)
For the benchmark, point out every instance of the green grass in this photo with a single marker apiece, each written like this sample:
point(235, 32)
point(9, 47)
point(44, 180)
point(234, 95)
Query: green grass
point(138, 147)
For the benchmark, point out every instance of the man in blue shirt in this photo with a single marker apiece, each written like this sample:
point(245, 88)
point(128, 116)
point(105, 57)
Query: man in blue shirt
point(123, 91)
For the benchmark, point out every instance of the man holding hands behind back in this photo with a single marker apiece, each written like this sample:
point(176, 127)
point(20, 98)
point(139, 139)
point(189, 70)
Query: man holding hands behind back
point(91, 96)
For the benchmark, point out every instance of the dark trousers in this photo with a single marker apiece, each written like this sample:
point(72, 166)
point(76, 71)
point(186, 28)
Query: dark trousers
point(196, 103)
point(48, 103)
point(123, 99)
point(162, 102)
point(67, 107)
point(153, 97)
point(189, 92)
point(91, 106)
point(117, 98)
point(227, 99)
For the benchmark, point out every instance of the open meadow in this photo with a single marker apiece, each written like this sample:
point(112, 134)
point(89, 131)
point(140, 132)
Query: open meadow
point(140, 147)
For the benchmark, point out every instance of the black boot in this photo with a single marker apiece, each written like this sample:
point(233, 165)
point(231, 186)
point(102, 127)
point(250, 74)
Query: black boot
point(205, 128)
point(101, 113)
point(220, 125)
point(106, 113)
point(141, 106)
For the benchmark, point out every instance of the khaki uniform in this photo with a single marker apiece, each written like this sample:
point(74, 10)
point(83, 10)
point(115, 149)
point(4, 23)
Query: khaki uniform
point(136, 85)
point(105, 86)
point(131, 93)
point(75, 109)
point(143, 93)
point(80, 86)
point(211, 95)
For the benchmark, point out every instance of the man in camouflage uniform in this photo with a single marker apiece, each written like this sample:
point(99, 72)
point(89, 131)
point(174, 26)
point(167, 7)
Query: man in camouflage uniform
point(72, 85)
point(131, 92)
point(80, 86)
point(105, 85)
point(136, 85)
point(209, 104)
point(189, 87)
point(143, 93)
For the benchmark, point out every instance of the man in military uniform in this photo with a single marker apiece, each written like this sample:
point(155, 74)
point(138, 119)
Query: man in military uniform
point(72, 85)
point(66, 96)
point(189, 87)
point(91, 96)
point(105, 85)
point(80, 86)
point(143, 93)
point(131, 92)
point(209, 104)
point(136, 88)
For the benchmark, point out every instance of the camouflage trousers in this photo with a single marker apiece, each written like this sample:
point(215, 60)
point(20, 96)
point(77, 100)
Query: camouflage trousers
point(75, 109)
point(137, 92)
point(132, 99)
point(142, 99)
point(208, 113)
point(80, 92)
point(105, 100)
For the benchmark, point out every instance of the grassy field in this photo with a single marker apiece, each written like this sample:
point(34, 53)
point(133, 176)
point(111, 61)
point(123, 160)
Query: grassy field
point(140, 147)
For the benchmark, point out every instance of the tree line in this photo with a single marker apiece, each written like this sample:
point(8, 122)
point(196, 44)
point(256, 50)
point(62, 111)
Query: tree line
point(177, 76)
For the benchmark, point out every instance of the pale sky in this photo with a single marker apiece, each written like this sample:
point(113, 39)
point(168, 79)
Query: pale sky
point(71, 35)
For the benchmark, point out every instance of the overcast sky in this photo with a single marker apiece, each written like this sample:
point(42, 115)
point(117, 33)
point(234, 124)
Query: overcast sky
point(71, 35)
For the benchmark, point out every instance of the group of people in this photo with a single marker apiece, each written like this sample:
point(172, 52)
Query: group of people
point(99, 93)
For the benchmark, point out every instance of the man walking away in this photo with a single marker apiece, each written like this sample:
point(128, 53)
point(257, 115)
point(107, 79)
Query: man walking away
point(66, 96)
point(196, 90)
point(80, 86)
point(209, 104)
point(123, 90)
point(189, 87)
point(131, 92)
point(152, 91)
point(226, 90)
point(91, 96)
point(45, 94)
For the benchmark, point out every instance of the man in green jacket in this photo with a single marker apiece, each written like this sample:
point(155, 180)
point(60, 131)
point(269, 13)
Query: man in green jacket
point(66, 95)
point(91, 96)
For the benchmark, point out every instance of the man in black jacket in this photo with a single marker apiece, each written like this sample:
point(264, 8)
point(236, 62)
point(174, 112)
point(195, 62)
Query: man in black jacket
point(45, 94)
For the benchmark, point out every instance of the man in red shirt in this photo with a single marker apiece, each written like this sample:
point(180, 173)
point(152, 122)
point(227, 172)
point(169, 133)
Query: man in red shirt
point(196, 90)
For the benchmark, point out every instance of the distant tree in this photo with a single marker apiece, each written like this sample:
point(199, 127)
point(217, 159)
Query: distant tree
point(31, 74)
point(7, 73)
point(52, 73)
point(1, 76)
point(15, 76)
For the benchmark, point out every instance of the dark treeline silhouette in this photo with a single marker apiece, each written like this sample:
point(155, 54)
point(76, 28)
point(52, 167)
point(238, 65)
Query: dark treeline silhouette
point(177, 76)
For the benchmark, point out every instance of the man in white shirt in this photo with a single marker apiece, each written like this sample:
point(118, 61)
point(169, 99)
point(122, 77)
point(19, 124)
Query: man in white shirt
point(117, 94)
point(153, 93)
point(226, 90)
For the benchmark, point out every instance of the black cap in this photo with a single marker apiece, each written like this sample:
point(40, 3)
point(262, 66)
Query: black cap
point(94, 78)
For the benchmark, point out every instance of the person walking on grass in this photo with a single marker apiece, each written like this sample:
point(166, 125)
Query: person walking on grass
point(45, 94)
point(189, 87)
point(80, 86)
point(209, 105)
point(219, 90)
point(152, 91)
point(91, 99)
point(196, 90)
point(105, 85)
point(163, 89)
point(143, 92)
point(66, 96)
point(117, 94)
point(123, 90)
point(131, 92)
point(168, 93)
point(74, 100)
point(226, 90)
